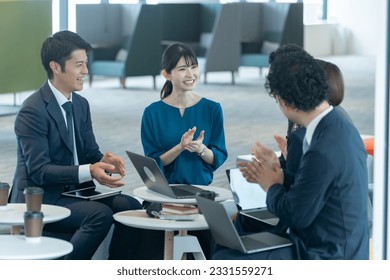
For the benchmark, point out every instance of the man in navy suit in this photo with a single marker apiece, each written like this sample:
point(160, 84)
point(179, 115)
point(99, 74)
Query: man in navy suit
point(48, 157)
point(325, 207)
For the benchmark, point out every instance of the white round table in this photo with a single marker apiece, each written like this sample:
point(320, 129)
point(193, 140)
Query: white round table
point(13, 213)
point(151, 196)
point(174, 246)
point(15, 247)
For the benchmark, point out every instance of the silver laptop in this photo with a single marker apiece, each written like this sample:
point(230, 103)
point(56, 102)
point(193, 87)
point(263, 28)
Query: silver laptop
point(250, 197)
point(154, 179)
point(225, 234)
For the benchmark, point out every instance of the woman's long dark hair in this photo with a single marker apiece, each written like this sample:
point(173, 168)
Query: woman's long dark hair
point(170, 58)
point(335, 82)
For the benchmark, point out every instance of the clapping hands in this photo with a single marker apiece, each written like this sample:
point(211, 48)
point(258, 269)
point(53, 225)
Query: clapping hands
point(187, 142)
point(264, 168)
point(282, 144)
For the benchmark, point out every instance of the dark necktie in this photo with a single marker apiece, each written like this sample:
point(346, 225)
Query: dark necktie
point(69, 120)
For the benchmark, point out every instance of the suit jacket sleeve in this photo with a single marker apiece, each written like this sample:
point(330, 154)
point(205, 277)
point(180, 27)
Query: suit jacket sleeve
point(300, 205)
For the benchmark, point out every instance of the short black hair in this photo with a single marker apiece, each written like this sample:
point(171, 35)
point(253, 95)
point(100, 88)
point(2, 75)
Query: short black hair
point(296, 78)
point(59, 48)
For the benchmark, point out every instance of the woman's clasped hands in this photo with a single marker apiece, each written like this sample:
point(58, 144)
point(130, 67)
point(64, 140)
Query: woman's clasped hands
point(193, 146)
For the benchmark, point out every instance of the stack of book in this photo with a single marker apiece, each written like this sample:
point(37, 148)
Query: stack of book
point(179, 209)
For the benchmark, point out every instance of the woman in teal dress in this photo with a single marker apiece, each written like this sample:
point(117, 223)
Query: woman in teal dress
point(183, 131)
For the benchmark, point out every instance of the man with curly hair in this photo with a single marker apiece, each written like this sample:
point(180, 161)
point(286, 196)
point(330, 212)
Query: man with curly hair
point(325, 206)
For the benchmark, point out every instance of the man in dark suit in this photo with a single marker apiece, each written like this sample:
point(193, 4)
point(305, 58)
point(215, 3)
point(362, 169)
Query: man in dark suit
point(325, 208)
point(57, 159)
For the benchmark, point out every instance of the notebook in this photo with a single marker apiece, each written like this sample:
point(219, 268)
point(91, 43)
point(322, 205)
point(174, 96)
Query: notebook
point(250, 197)
point(225, 234)
point(154, 179)
point(93, 193)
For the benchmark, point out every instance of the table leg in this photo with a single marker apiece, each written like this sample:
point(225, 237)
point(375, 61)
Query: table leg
point(182, 232)
point(15, 230)
point(168, 245)
point(183, 244)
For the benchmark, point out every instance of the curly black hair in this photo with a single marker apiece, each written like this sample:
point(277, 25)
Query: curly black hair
point(296, 78)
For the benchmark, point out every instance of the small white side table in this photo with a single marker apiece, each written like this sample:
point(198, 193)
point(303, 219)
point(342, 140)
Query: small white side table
point(175, 245)
point(13, 213)
point(15, 247)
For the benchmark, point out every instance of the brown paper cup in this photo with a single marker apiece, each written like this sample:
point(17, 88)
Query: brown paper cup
point(33, 197)
point(4, 190)
point(33, 224)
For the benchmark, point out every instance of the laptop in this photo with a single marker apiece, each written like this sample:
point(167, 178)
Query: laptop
point(154, 179)
point(225, 233)
point(250, 197)
point(93, 193)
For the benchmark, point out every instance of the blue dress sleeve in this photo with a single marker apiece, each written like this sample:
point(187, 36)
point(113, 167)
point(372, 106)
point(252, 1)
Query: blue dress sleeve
point(217, 140)
point(148, 137)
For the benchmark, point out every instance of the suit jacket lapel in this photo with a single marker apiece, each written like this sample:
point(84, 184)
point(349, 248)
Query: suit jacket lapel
point(54, 110)
point(77, 118)
point(76, 115)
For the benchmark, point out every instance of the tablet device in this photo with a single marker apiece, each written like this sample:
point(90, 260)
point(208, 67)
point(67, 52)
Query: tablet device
point(91, 193)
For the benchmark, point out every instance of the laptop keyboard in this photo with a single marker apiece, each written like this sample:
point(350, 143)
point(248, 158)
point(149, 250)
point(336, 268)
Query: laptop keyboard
point(250, 243)
point(182, 193)
point(185, 189)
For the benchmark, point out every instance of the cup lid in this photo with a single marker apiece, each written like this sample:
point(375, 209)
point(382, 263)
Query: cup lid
point(33, 190)
point(4, 186)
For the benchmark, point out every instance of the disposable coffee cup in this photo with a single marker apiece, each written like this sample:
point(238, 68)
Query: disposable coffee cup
point(4, 190)
point(33, 197)
point(33, 224)
point(206, 194)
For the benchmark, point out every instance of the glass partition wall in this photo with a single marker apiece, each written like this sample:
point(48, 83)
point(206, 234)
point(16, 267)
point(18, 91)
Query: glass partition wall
point(64, 11)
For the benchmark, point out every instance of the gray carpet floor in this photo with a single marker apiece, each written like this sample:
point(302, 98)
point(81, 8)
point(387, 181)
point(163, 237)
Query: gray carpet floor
point(250, 114)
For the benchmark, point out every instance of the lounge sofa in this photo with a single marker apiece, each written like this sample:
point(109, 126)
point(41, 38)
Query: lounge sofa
point(224, 36)
point(266, 26)
point(138, 53)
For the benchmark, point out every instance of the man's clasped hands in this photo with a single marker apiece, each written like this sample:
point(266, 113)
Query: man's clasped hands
point(264, 169)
